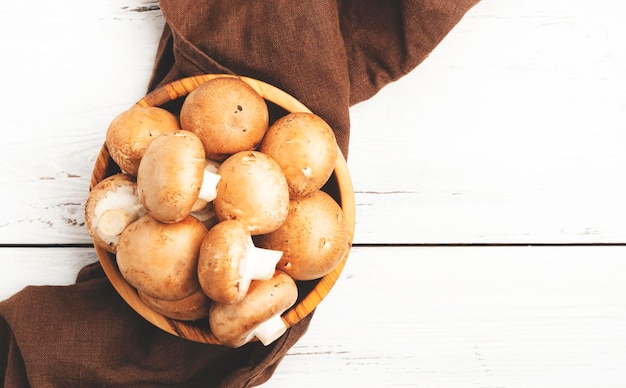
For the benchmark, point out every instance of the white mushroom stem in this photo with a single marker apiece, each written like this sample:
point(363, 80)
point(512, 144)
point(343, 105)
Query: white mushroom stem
point(114, 221)
point(206, 215)
point(199, 205)
point(208, 190)
point(259, 263)
point(270, 330)
point(116, 211)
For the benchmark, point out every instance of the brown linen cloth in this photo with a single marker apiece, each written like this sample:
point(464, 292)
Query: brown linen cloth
point(330, 55)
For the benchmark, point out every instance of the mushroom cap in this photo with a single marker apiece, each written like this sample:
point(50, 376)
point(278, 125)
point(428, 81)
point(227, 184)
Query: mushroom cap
point(234, 324)
point(227, 114)
point(170, 175)
point(304, 146)
point(252, 189)
point(313, 238)
point(131, 131)
point(222, 255)
point(111, 192)
point(190, 308)
point(161, 259)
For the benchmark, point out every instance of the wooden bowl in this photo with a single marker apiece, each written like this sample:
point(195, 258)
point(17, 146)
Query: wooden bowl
point(311, 292)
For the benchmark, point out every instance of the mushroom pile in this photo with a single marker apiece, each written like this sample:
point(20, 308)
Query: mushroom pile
point(218, 213)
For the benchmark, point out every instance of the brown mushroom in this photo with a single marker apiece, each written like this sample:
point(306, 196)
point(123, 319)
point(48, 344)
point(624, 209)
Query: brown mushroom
point(131, 131)
point(257, 315)
point(252, 189)
point(111, 205)
point(229, 261)
point(190, 308)
point(304, 146)
point(227, 114)
point(161, 259)
point(173, 174)
point(313, 238)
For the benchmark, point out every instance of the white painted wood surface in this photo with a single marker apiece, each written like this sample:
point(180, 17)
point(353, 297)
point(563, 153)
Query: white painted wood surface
point(511, 132)
point(468, 317)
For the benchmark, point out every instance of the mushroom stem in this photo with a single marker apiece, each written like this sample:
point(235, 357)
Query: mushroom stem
point(199, 205)
point(270, 330)
point(113, 221)
point(206, 215)
point(260, 262)
point(210, 178)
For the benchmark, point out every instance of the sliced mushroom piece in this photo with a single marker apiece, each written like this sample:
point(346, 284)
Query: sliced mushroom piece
point(257, 315)
point(173, 175)
point(229, 261)
point(111, 205)
point(161, 259)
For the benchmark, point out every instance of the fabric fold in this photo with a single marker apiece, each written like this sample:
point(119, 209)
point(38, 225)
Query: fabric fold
point(328, 54)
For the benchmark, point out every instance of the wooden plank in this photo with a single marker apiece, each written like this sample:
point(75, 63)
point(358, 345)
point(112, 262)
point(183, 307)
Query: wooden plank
point(439, 316)
point(468, 317)
point(21, 267)
point(511, 132)
point(85, 63)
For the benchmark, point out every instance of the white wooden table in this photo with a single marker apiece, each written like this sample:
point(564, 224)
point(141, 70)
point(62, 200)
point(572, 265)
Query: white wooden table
point(490, 186)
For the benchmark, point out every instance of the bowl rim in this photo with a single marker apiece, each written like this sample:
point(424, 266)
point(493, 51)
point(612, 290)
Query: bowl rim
point(305, 305)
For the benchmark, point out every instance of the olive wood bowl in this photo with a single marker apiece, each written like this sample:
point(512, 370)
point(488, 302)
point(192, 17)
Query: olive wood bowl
point(311, 293)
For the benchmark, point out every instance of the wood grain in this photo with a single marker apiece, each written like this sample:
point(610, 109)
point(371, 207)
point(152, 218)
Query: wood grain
point(22, 267)
point(468, 317)
point(438, 316)
point(510, 132)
